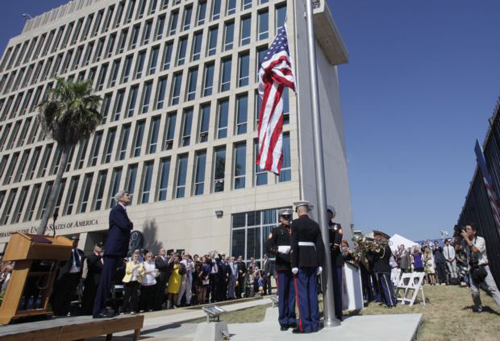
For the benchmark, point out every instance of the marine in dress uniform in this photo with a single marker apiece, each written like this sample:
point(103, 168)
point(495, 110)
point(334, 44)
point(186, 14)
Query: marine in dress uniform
point(382, 270)
point(307, 257)
point(279, 245)
point(335, 233)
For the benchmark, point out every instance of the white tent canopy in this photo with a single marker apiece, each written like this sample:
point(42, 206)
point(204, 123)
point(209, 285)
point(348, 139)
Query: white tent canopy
point(398, 240)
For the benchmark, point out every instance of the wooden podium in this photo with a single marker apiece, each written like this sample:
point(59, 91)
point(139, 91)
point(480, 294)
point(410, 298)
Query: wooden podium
point(36, 260)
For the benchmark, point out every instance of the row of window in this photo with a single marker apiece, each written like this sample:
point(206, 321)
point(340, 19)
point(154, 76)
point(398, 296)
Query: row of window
point(69, 36)
point(135, 66)
point(145, 139)
point(151, 185)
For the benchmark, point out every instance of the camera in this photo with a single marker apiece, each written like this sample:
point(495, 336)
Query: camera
point(458, 230)
point(474, 260)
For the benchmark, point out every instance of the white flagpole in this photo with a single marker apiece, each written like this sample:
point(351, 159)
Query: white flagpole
point(328, 301)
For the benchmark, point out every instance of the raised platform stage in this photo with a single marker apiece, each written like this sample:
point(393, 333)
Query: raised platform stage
point(72, 328)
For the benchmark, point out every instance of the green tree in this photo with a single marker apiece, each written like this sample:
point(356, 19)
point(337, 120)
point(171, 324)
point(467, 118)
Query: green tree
point(69, 114)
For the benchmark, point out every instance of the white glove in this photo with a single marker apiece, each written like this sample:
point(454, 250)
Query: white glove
point(295, 271)
point(319, 271)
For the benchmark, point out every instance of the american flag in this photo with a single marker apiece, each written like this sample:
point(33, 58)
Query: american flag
point(481, 161)
point(276, 73)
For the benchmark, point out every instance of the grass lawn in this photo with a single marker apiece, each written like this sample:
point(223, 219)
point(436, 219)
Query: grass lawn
point(447, 316)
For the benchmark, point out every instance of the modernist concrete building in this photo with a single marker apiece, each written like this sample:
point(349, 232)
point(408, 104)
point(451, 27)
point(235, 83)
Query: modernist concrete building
point(179, 83)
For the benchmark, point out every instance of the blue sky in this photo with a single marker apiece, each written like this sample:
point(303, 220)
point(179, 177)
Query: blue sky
point(422, 80)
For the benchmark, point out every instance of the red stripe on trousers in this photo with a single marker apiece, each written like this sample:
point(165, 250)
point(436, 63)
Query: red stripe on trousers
point(298, 304)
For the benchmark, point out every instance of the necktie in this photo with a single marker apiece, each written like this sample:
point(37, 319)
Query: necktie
point(76, 258)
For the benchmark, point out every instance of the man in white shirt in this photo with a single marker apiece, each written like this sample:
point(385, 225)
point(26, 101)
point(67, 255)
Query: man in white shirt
point(451, 262)
point(476, 249)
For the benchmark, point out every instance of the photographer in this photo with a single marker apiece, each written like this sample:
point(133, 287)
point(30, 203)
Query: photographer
point(480, 273)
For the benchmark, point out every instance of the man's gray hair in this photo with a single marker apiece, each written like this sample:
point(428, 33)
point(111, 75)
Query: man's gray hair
point(120, 195)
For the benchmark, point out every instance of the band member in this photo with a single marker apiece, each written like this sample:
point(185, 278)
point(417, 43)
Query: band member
point(335, 233)
point(279, 244)
point(307, 257)
point(382, 270)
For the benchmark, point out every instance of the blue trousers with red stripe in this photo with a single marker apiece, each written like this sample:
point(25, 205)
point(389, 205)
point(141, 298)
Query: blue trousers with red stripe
point(286, 294)
point(337, 290)
point(306, 285)
point(388, 290)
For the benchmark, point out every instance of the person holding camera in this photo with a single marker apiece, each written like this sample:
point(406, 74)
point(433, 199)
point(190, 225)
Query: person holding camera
point(480, 273)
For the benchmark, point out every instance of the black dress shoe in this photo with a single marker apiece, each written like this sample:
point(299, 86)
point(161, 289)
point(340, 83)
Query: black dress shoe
point(293, 325)
point(99, 316)
point(284, 328)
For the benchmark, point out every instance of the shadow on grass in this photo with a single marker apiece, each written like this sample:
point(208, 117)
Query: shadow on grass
point(486, 309)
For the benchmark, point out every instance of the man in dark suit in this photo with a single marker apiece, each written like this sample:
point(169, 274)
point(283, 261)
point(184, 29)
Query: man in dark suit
point(242, 272)
point(93, 267)
point(115, 250)
point(165, 267)
point(335, 234)
point(307, 258)
point(69, 276)
point(266, 267)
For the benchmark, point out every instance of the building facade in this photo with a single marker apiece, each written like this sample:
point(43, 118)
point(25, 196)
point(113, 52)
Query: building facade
point(180, 113)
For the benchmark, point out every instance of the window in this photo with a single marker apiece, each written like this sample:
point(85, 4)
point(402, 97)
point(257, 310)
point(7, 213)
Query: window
point(70, 199)
point(85, 193)
point(286, 170)
point(119, 13)
point(114, 73)
point(187, 120)
point(280, 16)
point(258, 104)
point(216, 4)
point(45, 198)
point(246, 4)
point(244, 69)
point(98, 52)
point(222, 118)
point(146, 96)
point(219, 168)
point(141, 9)
point(102, 77)
point(212, 41)
point(180, 188)
point(140, 64)
point(164, 4)
point(186, 22)
point(131, 178)
point(260, 175)
point(192, 80)
point(20, 205)
point(96, 145)
point(231, 7)
point(139, 135)
point(120, 95)
point(11, 168)
point(147, 176)
point(146, 34)
point(167, 55)
point(241, 114)
point(108, 149)
point(160, 27)
point(123, 142)
point(107, 20)
point(208, 79)
point(34, 161)
point(161, 93)
point(170, 131)
point(28, 216)
point(225, 81)
point(197, 40)
point(202, 13)
point(199, 175)
point(115, 186)
point(246, 26)
point(60, 193)
point(239, 165)
point(121, 43)
point(163, 183)
point(86, 30)
point(130, 11)
point(99, 193)
point(286, 105)
point(204, 122)
point(173, 23)
point(126, 69)
point(8, 207)
point(181, 56)
point(154, 131)
point(261, 54)
point(134, 37)
point(263, 22)
point(176, 89)
point(153, 60)
point(228, 36)
point(82, 151)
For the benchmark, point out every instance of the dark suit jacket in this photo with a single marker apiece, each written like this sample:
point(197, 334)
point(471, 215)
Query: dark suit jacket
point(164, 268)
point(304, 229)
point(94, 266)
point(119, 233)
point(66, 266)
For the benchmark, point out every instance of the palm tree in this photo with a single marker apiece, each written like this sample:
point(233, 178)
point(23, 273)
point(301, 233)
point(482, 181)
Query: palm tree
point(70, 113)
